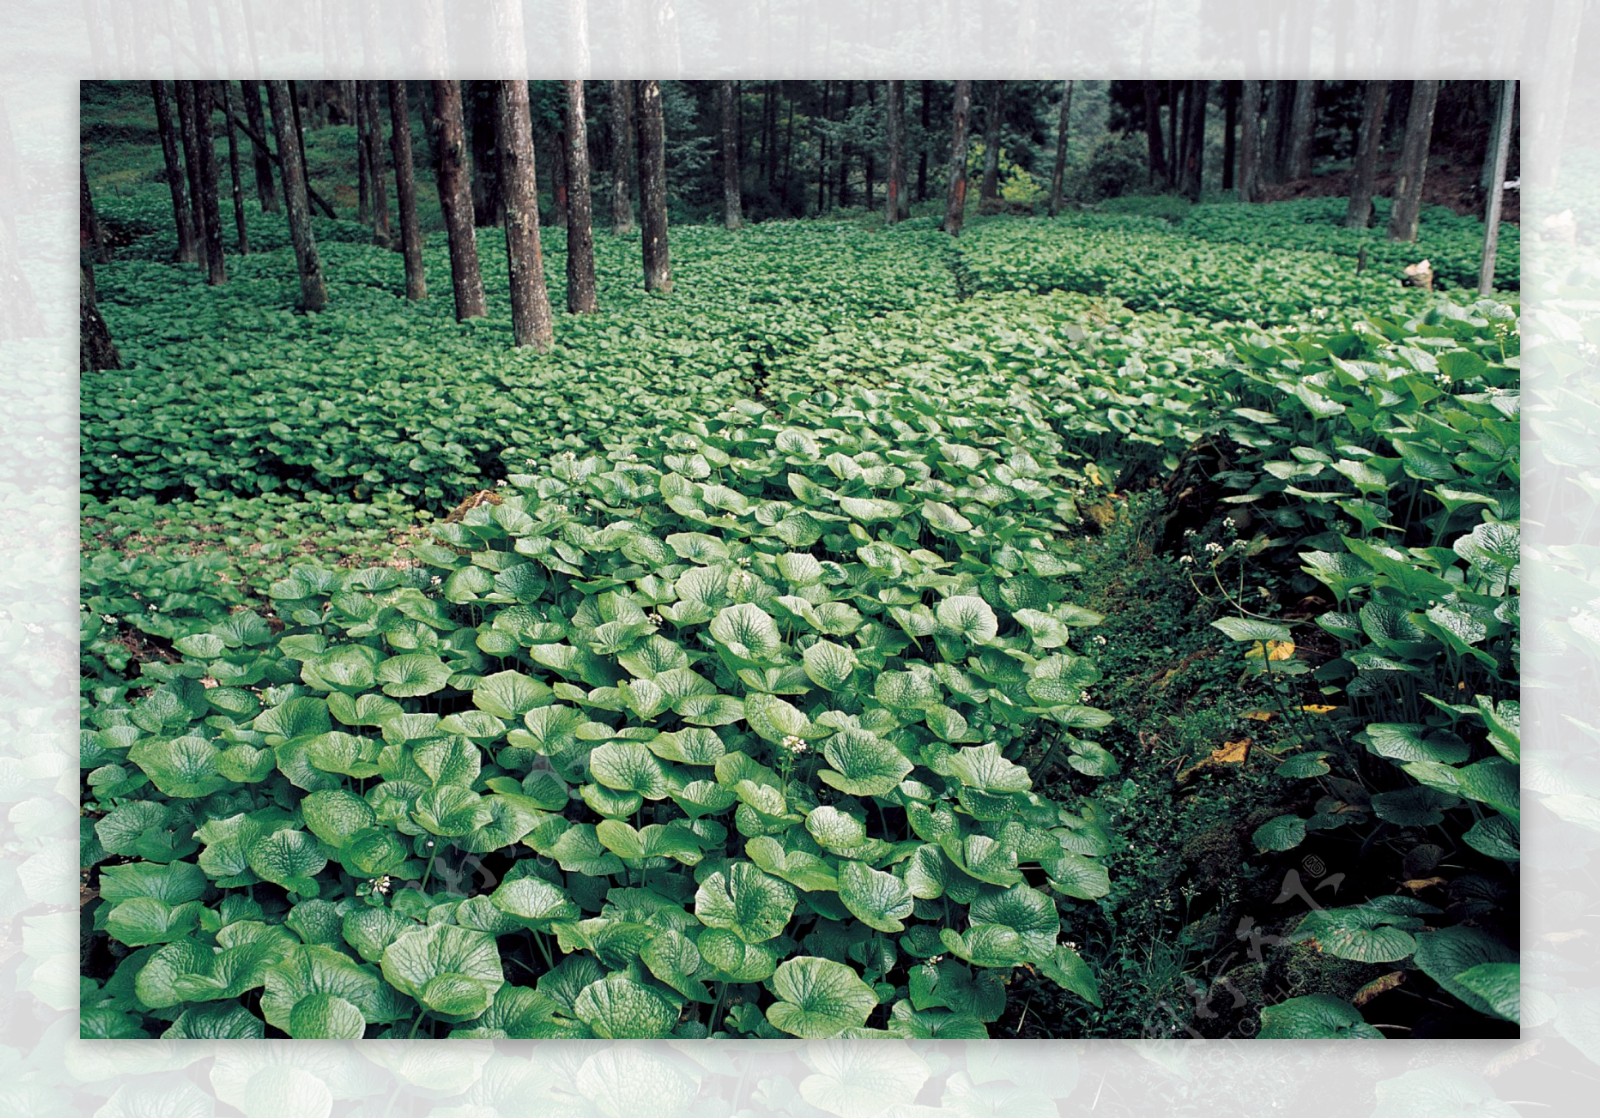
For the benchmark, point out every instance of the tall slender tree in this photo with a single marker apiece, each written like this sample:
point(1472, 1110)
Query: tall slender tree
point(846, 149)
point(531, 321)
point(479, 98)
point(1413, 161)
point(1249, 140)
point(621, 104)
point(653, 186)
point(372, 142)
point(1196, 96)
point(96, 350)
point(210, 204)
point(1058, 171)
point(956, 198)
point(989, 190)
point(894, 202)
point(822, 150)
point(313, 294)
point(732, 211)
point(182, 216)
point(1152, 131)
point(1301, 129)
point(266, 195)
point(869, 163)
point(91, 238)
point(241, 232)
point(1230, 129)
point(580, 219)
point(1374, 101)
point(405, 189)
point(925, 103)
point(363, 164)
point(189, 133)
point(455, 198)
point(1504, 121)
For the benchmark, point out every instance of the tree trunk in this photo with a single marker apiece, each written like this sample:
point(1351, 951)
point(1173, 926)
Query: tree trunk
point(1152, 129)
point(189, 132)
point(845, 148)
point(210, 204)
point(621, 149)
point(580, 219)
point(1174, 153)
point(373, 145)
point(1278, 117)
point(956, 199)
point(91, 240)
point(265, 193)
point(1374, 103)
point(96, 351)
point(531, 322)
point(788, 162)
point(363, 166)
point(313, 296)
point(1487, 179)
point(894, 201)
point(405, 189)
point(769, 138)
point(1413, 161)
point(1249, 140)
point(300, 143)
point(182, 217)
point(1502, 154)
point(1302, 128)
point(1230, 124)
point(558, 179)
point(233, 170)
point(653, 186)
point(927, 131)
point(487, 204)
point(870, 161)
point(455, 199)
point(989, 191)
point(822, 151)
point(1196, 98)
point(1058, 172)
point(732, 211)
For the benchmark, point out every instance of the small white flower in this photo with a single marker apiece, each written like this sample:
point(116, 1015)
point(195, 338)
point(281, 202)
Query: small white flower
point(1185, 559)
point(1083, 697)
point(795, 744)
point(108, 619)
point(654, 618)
point(1099, 639)
point(437, 579)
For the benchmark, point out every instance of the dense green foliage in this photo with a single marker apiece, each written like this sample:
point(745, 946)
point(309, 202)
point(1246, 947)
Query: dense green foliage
point(755, 689)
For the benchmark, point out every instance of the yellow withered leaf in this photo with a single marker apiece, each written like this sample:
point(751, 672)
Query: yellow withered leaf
point(1272, 650)
point(1259, 716)
point(1231, 753)
point(1319, 708)
point(1377, 987)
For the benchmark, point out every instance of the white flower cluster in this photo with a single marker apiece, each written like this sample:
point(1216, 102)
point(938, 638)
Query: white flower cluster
point(795, 744)
point(654, 619)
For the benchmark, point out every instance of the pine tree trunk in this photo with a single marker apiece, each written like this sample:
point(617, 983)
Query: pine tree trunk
point(405, 189)
point(188, 132)
point(621, 152)
point(956, 198)
point(732, 210)
point(822, 151)
point(769, 142)
point(558, 179)
point(1273, 155)
point(182, 217)
point(300, 143)
point(313, 296)
point(846, 150)
point(989, 191)
point(580, 219)
point(1302, 127)
point(91, 240)
point(372, 142)
point(455, 199)
point(363, 167)
point(1249, 140)
point(210, 203)
point(870, 162)
point(1413, 161)
point(265, 193)
point(531, 320)
point(1230, 125)
point(1195, 100)
point(927, 131)
point(1152, 131)
point(653, 186)
point(1058, 172)
point(96, 351)
point(894, 202)
point(1502, 154)
point(1174, 153)
point(1374, 104)
point(233, 171)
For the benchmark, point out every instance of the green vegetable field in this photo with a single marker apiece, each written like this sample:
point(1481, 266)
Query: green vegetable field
point(1098, 625)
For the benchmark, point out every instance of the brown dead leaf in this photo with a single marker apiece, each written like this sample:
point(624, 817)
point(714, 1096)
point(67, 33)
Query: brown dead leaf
point(1421, 883)
point(1319, 708)
point(1231, 753)
point(1377, 987)
point(1260, 716)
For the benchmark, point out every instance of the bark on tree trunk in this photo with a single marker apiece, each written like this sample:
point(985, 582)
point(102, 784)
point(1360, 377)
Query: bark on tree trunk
point(373, 145)
point(870, 163)
point(363, 166)
point(956, 199)
point(182, 217)
point(531, 321)
point(233, 171)
point(822, 151)
point(732, 211)
point(91, 240)
point(1230, 124)
point(1249, 140)
point(188, 131)
point(1058, 172)
point(559, 187)
point(455, 199)
point(989, 191)
point(96, 351)
point(300, 143)
point(1413, 161)
point(580, 219)
point(487, 203)
point(1174, 153)
point(1195, 100)
point(1273, 155)
point(769, 141)
point(927, 131)
point(1374, 104)
point(1502, 154)
point(210, 205)
point(265, 192)
point(1152, 129)
point(405, 189)
point(846, 149)
point(653, 186)
point(1301, 129)
point(621, 150)
point(895, 190)
point(313, 295)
